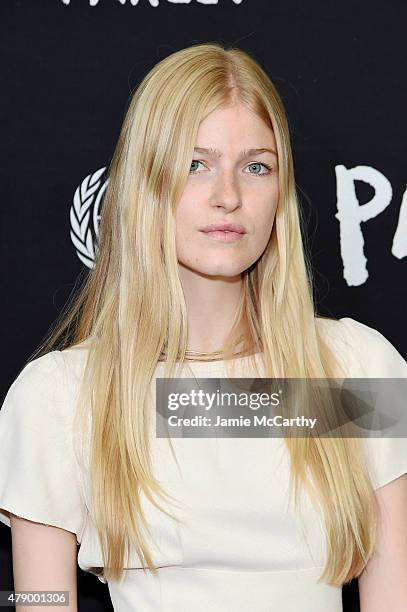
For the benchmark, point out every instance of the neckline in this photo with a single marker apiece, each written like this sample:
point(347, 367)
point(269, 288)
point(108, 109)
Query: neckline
point(217, 361)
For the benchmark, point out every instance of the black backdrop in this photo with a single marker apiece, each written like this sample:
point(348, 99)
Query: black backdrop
point(70, 68)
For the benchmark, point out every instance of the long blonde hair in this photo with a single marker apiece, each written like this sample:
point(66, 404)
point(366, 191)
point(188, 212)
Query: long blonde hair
point(131, 310)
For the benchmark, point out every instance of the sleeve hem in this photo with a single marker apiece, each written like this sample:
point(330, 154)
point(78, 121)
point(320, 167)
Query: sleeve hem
point(5, 519)
point(390, 478)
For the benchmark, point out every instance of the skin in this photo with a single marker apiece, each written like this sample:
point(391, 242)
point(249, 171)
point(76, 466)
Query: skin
point(383, 582)
point(225, 189)
point(44, 556)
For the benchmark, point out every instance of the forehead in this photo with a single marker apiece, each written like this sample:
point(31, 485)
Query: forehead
point(213, 152)
point(235, 128)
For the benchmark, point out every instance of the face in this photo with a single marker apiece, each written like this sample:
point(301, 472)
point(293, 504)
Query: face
point(231, 186)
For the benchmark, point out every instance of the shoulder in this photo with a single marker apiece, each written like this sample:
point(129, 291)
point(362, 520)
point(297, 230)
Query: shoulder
point(41, 480)
point(364, 350)
point(39, 378)
point(75, 359)
point(44, 388)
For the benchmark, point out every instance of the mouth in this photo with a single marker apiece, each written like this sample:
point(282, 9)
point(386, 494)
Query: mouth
point(225, 227)
point(224, 235)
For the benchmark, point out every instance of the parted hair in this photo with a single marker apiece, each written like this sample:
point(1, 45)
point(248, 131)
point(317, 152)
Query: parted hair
point(131, 311)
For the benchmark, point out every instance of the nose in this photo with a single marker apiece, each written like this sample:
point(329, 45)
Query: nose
point(226, 193)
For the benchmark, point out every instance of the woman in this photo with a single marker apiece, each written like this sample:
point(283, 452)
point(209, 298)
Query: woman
point(205, 524)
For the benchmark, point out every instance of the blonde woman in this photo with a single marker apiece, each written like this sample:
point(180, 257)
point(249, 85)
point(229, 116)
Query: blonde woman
point(200, 272)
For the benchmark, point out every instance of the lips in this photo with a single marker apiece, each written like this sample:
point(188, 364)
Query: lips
point(224, 227)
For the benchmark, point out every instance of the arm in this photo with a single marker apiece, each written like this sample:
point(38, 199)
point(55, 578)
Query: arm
point(383, 582)
point(44, 559)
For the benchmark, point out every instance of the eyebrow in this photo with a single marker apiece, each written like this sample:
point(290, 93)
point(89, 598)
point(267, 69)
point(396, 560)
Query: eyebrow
point(243, 154)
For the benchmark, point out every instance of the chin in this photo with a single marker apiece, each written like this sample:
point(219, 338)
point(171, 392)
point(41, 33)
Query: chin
point(225, 271)
point(213, 270)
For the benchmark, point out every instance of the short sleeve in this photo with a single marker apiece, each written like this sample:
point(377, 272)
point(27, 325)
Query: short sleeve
point(39, 474)
point(378, 358)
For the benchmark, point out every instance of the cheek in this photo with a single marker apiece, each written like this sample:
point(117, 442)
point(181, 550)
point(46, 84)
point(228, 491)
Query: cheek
point(185, 227)
point(182, 217)
point(186, 224)
point(187, 209)
point(263, 220)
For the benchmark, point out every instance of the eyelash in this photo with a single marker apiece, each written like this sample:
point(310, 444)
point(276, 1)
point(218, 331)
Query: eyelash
point(250, 164)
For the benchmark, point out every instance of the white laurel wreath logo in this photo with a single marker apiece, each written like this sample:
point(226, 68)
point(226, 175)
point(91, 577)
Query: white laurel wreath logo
point(84, 213)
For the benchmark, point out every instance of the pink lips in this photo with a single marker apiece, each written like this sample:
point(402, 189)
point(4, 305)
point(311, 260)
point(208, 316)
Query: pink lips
point(225, 232)
point(224, 227)
point(224, 236)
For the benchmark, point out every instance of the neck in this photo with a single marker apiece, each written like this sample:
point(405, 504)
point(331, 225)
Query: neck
point(211, 302)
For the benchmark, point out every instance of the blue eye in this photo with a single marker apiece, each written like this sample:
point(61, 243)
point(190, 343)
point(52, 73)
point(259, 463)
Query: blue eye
point(268, 168)
point(260, 164)
point(196, 161)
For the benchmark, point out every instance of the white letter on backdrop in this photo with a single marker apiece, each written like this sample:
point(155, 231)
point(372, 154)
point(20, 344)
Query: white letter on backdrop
point(399, 247)
point(350, 215)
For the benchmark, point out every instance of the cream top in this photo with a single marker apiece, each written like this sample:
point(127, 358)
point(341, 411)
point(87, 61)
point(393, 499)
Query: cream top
point(240, 546)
